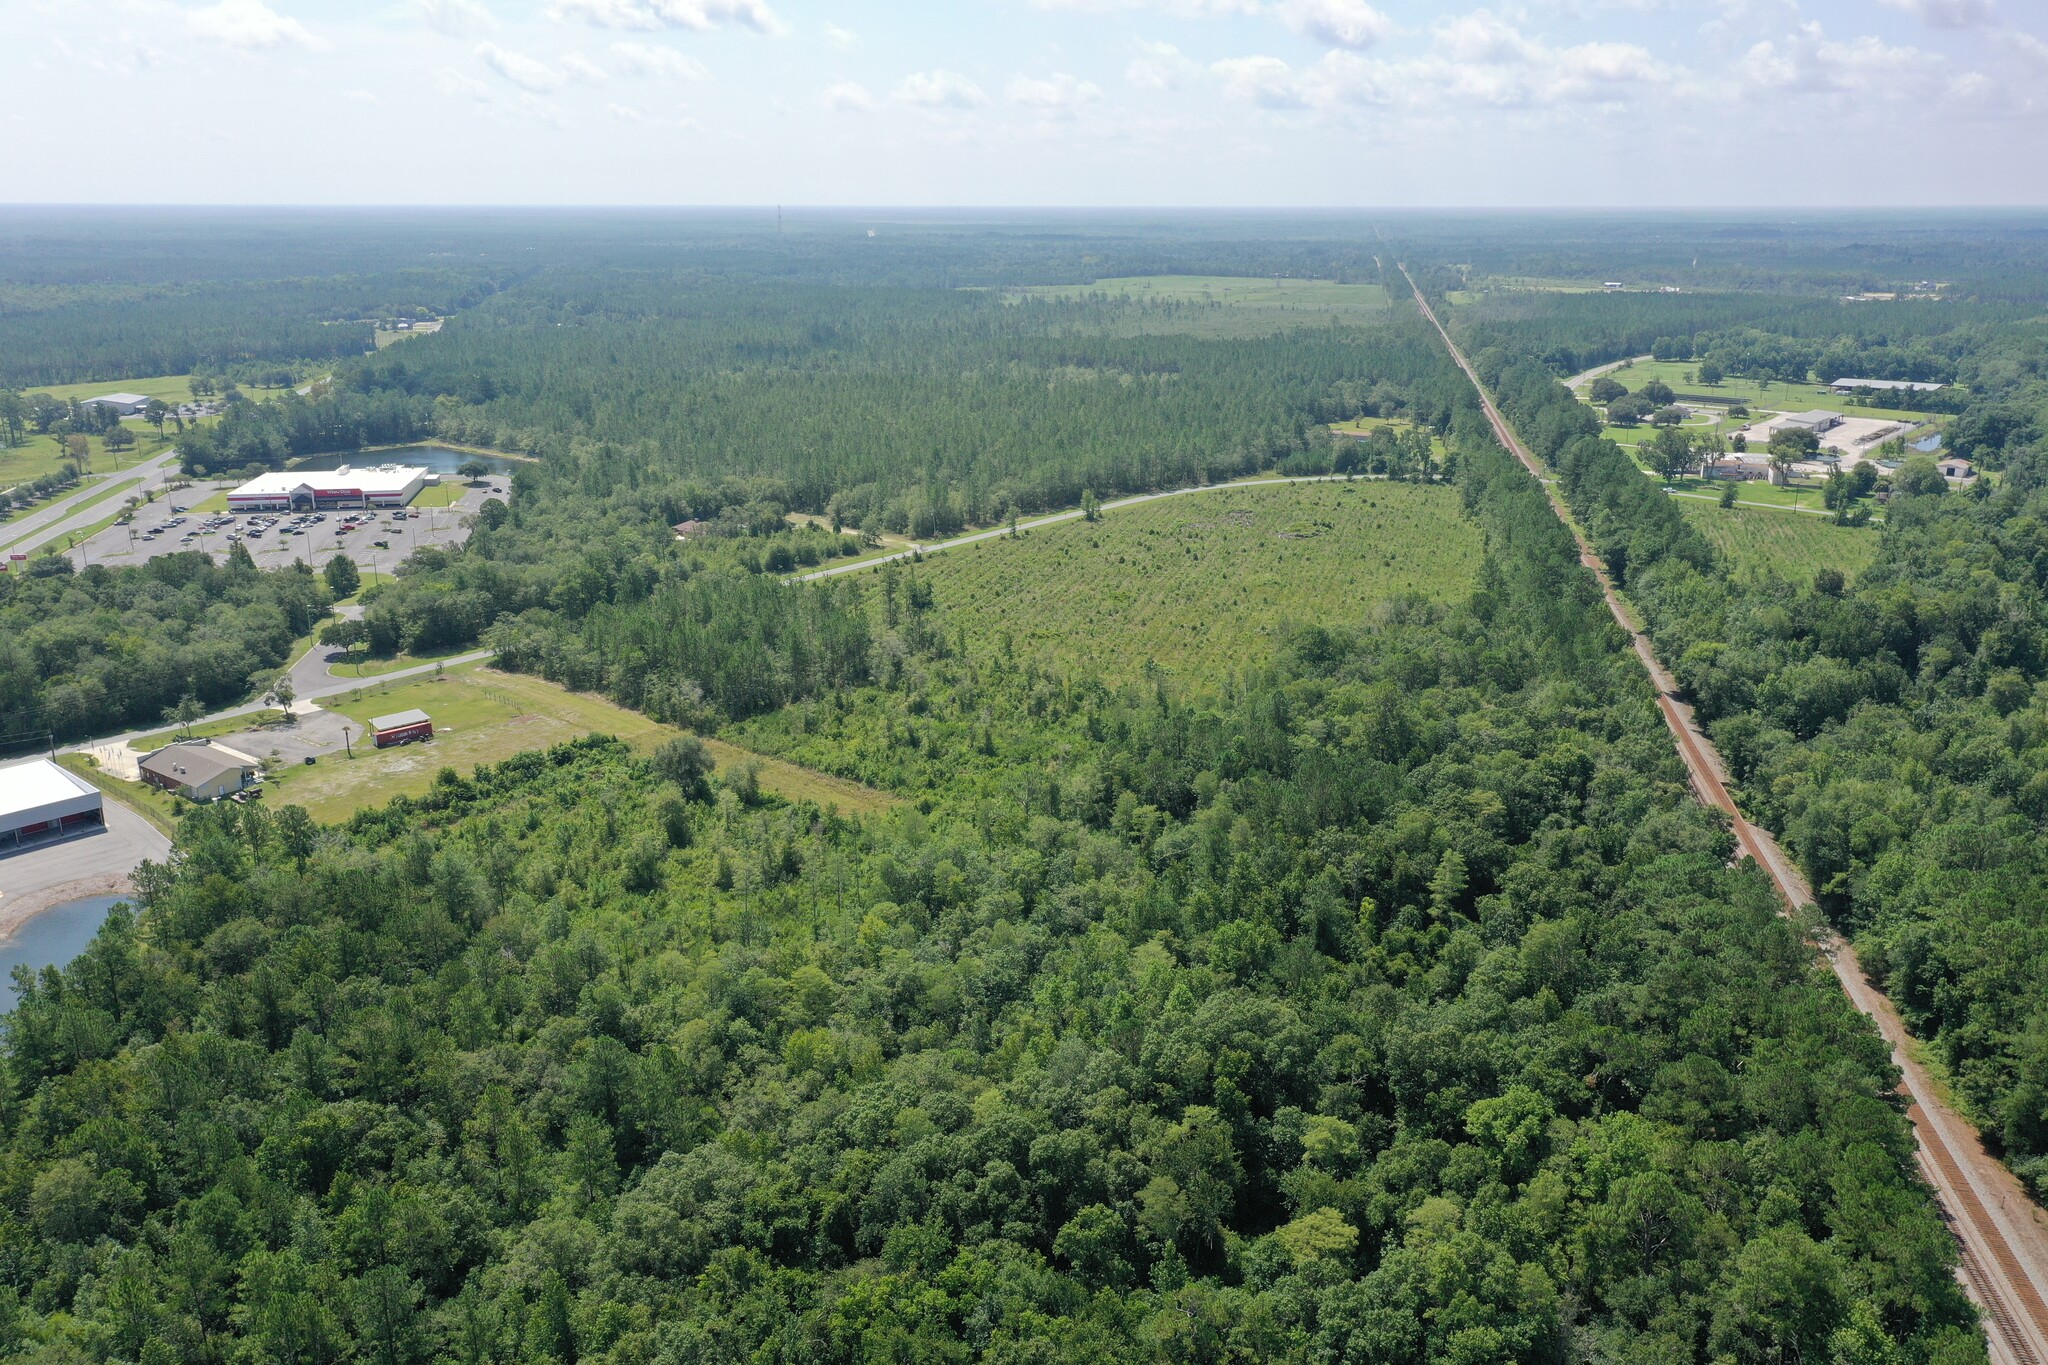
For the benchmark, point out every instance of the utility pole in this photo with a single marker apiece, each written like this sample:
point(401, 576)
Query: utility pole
point(346, 730)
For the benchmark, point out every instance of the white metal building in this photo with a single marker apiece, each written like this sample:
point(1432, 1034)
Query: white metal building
point(127, 404)
point(1885, 385)
point(384, 485)
point(39, 800)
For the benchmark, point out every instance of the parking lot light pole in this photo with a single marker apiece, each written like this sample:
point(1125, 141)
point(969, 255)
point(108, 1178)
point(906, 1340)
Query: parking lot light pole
point(345, 731)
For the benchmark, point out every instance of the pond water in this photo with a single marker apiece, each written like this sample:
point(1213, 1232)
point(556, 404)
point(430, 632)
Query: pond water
point(1928, 442)
point(52, 938)
point(435, 459)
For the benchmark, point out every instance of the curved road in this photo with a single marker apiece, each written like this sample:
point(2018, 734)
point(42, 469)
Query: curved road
point(47, 523)
point(2003, 1236)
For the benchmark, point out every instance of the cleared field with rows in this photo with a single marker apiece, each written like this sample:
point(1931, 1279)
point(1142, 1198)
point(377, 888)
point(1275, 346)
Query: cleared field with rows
point(1205, 582)
point(1789, 544)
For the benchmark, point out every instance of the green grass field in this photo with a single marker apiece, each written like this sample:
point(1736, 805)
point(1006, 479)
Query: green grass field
point(483, 716)
point(1786, 544)
point(172, 388)
point(1771, 396)
point(1204, 582)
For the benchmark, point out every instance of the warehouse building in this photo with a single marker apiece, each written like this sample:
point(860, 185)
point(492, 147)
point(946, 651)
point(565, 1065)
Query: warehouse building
point(198, 772)
point(1885, 385)
point(39, 801)
point(384, 485)
point(124, 404)
point(1816, 421)
point(400, 727)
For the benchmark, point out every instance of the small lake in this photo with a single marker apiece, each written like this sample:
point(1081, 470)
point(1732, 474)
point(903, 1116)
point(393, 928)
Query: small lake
point(434, 459)
point(1928, 442)
point(52, 938)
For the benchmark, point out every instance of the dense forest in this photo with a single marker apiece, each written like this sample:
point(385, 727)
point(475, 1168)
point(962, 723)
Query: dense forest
point(1388, 1000)
point(1891, 728)
point(100, 650)
point(1397, 1004)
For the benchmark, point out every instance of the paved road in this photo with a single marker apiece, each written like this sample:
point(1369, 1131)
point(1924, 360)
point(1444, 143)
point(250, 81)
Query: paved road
point(2003, 1236)
point(312, 666)
point(1588, 376)
point(1055, 517)
point(47, 523)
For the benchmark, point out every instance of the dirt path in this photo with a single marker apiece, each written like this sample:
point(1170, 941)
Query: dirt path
point(2003, 1234)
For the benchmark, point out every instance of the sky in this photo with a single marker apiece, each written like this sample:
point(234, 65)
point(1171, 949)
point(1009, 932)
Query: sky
point(1228, 103)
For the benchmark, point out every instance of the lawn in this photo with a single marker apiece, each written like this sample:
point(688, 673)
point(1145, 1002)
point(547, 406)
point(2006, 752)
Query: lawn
point(446, 493)
point(483, 716)
point(172, 388)
point(1793, 547)
point(1204, 582)
point(40, 455)
point(1759, 395)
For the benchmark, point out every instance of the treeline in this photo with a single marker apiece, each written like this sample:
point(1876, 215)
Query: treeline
point(100, 649)
point(126, 335)
point(267, 434)
point(1394, 1005)
point(903, 411)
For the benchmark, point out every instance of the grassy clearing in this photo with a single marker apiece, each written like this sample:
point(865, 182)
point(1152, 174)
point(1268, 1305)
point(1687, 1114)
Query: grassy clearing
point(367, 667)
point(37, 456)
point(210, 730)
point(1203, 583)
point(1792, 547)
point(444, 494)
point(484, 716)
point(1770, 396)
point(172, 388)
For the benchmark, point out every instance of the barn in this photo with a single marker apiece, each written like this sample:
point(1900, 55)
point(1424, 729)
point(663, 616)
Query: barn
point(400, 727)
point(39, 801)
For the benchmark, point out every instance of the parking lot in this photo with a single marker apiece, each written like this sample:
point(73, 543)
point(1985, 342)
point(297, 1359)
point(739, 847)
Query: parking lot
point(376, 539)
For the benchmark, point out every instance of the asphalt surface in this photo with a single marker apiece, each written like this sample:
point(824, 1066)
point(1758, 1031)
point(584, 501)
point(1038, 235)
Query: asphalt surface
point(26, 534)
point(83, 865)
point(276, 548)
point(2003, 1236)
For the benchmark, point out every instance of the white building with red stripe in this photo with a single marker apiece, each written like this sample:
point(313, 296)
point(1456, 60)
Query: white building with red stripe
point(307, 490)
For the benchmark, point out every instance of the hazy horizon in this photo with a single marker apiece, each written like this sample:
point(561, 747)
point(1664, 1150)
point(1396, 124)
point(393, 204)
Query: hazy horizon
point(1627, 105)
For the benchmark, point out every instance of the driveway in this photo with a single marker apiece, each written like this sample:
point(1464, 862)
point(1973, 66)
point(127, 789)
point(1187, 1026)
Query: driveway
point(96, 864)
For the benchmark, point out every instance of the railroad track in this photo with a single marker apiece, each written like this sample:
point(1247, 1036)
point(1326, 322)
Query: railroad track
point(1984, 1206)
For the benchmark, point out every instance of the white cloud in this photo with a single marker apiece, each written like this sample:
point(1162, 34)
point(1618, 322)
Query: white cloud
point(1058, 94)
point(364, 97)
point(1945, 13)
point(1173, 9)
point(1160, 66)
point(845, 39)
point(1349, 24)
point(939, 89)
point(249, 24)
point(1264, 81)
point(1486, 38)
point(456, 18)
point(1807, 63)
point(581, 68)
point(699, 16)
point(453, 82)
point(646, 59)
point(625, 113)
point(520, 69)
point(848, 97)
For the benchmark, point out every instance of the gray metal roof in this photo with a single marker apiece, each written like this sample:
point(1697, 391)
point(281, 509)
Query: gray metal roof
point(191, 765)
point(1913, 384)
point(397, 719)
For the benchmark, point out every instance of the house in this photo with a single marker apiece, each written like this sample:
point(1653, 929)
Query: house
point(39, 801)
point(198, 771)
point(693, 527)
point(1956, 469)
point(1612, 284)
point(123, 404)
point(400, 727)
